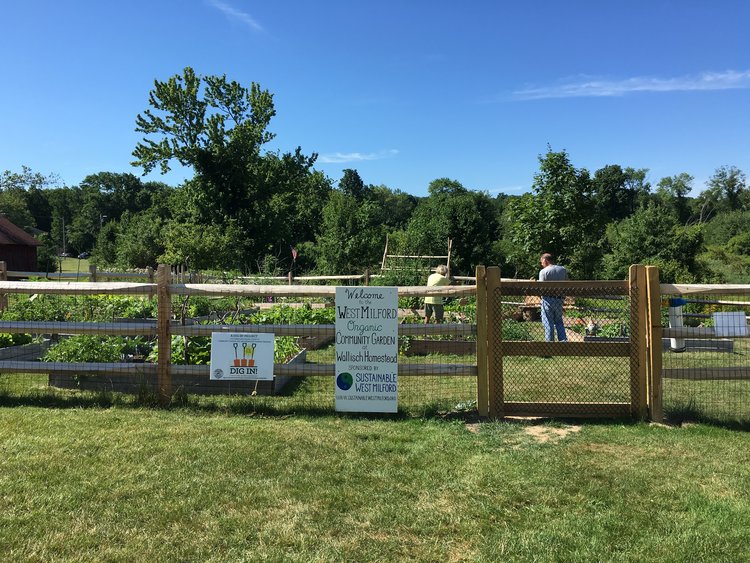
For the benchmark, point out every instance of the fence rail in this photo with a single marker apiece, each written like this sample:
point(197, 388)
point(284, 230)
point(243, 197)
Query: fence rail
point(164, 327)
point(712, 374)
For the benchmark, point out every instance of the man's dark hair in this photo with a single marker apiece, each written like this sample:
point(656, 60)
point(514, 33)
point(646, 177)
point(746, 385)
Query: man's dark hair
point(548, 257)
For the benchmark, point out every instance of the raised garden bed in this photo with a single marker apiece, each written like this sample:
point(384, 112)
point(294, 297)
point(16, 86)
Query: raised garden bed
point(426, 347)
point(25, 352)
point(189, 383)
point(691, 345)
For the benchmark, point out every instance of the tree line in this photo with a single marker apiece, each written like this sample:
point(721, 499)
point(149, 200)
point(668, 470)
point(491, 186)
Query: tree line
point(252, 210)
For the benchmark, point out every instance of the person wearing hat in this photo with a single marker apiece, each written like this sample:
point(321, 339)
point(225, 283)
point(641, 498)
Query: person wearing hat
point(434, 304)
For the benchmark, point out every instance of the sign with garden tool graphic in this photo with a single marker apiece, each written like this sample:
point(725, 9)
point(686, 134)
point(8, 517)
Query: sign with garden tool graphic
point(366, 349)
point(242, 355)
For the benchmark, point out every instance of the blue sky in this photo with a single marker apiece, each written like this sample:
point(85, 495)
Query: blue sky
point(403, 91)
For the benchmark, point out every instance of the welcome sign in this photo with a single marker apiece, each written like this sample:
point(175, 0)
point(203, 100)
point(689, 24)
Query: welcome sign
point(366, 349)
point(242, 356)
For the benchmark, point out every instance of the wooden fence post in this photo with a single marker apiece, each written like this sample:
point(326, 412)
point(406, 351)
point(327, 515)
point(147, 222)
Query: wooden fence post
point(150, 274)
point(367, 276)
point(483, 404)
point(494, 361)
point(3, 277)
point(639, 336)
point(655, 344)
point(290, 278)
point(164, 346)
point(92, 273)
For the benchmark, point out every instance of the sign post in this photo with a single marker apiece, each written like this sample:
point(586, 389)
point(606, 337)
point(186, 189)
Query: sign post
point(366, 349)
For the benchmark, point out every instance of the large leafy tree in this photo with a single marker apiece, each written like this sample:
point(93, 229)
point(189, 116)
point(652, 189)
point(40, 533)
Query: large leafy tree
point(451, 211)
point(353, 230)
point(653, 235)
point(559, 216)
point(726, 190)
point(23, 198)
point(617, 191)
point(219, 128)
point(673, 192)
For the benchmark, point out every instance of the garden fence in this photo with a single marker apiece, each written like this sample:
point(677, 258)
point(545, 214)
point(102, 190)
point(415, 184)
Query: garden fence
point(175, 341)
point(634, 348)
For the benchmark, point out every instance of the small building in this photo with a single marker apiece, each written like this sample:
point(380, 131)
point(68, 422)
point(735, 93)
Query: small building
point(17, 247)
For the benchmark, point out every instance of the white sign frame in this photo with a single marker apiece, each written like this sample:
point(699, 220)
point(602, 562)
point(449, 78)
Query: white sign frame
point(366, 349)
point(242, 356)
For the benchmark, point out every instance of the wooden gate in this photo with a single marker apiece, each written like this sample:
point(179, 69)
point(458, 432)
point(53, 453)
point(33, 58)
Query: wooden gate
point(600, 371)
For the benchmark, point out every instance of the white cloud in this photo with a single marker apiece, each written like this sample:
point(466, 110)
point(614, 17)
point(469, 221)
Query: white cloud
point(341, 157)
point(599, 88)
point(235, 14)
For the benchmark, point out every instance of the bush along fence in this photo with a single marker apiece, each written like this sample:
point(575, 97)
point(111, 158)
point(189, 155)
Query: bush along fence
point(631, 348)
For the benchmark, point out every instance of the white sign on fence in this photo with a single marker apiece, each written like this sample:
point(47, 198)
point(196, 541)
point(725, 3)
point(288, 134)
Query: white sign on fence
point(242, 355)
point(366, 349)
point(730, 324)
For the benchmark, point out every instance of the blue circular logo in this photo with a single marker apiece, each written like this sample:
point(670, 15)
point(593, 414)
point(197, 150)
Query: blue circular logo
point(344, 381)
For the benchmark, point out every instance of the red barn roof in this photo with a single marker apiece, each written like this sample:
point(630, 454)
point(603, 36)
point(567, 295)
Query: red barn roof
point(12, 234)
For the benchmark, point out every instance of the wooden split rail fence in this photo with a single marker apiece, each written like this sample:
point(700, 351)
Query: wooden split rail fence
point(643, 348)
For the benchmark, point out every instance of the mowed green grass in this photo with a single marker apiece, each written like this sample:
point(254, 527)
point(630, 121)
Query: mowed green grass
point(73, 265)
point(126, 484)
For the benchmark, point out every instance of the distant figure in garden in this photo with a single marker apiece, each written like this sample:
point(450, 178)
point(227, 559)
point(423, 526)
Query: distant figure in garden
point(552, 307)
point(435, 304)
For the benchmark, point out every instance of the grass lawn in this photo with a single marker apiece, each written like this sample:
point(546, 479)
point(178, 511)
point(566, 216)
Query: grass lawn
point(126, 484)
point(74, 265)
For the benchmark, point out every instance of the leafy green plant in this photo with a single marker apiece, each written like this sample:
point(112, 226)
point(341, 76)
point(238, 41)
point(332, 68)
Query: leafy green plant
point(7, 340)
point(614, 330)
point(197, 350)
point(284, 314)
point(514, 330)
point(92, 348)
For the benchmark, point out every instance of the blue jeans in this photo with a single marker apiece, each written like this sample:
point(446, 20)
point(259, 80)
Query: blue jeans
point(552, 319)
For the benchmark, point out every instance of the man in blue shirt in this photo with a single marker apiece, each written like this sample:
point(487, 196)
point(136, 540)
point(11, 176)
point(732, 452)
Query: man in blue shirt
point(552, 307)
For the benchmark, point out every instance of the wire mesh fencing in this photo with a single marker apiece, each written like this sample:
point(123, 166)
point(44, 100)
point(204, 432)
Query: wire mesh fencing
point(101, 343)
point(565, 348)
point(706, 353)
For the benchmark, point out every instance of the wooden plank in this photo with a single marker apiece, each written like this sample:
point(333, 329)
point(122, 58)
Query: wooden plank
point(700, 332)
point(639, 340)
point(573, 410)
point(482, 343)
point(527, 348)
point(294, 370)
point(52, 327)
point(707, 373)
point(707, 289)
point(495, 387)
point(406, 329)
point(655, 344)
point(315, 370)
point(77, 288)
point(591, 287)
point(76, 367)
point(312, 290)
point(164, 343)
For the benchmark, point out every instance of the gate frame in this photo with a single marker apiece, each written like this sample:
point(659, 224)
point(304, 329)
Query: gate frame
point(490, 397)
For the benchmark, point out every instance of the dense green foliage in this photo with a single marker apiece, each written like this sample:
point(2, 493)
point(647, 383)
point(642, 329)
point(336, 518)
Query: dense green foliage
point(252, 210)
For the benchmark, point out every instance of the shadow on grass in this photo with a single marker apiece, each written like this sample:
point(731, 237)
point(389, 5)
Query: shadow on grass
point(279, 406)
point(285, 405)
point(690, 413)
